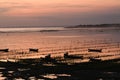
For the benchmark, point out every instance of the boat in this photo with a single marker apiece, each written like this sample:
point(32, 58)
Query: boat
point(94, 50)
point(91, 59)
point(4, 50)
point(48, 59)
point(33, 50)
point(66, 55)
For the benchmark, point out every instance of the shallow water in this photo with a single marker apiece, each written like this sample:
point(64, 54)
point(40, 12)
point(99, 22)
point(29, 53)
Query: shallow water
point(14, 38)
point(23, 39)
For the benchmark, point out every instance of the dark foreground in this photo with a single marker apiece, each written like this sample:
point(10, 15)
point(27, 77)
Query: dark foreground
point(105, 70)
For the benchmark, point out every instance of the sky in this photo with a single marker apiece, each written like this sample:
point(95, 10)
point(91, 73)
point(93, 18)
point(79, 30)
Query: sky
point(58, 12)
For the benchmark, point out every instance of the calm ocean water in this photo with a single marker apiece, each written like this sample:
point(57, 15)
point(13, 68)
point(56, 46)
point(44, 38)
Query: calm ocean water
point(23, 38)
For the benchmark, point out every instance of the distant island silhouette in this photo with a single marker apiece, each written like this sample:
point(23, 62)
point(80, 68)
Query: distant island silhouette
point(94, 25)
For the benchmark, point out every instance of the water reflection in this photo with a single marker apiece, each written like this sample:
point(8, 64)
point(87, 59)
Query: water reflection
point(55, 76)
point(63, 37)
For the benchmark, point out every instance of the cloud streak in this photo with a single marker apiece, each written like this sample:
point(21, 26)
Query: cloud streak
point(9, 6)
point(3, 9)
point(59, 12)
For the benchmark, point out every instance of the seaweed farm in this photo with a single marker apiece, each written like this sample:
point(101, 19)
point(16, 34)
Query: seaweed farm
point(109, 50)
point(91, 60)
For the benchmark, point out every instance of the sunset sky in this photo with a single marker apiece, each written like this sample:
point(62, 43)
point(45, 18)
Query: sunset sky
point(58, 12)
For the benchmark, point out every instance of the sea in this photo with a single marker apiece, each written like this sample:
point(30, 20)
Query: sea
point(57, 40)
point(41, 37)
